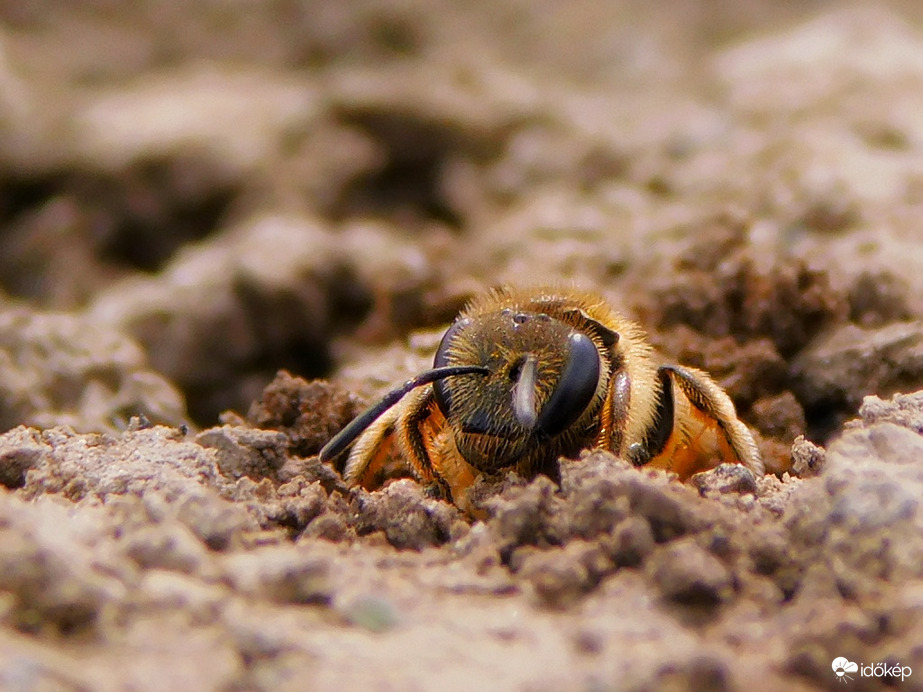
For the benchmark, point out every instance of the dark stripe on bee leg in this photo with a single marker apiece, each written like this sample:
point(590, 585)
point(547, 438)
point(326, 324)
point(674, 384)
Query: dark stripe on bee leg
point(419, 415)
point(410, 425)
point(659, 433)
point(704, 394)
point(709, 398)
point(348, 435)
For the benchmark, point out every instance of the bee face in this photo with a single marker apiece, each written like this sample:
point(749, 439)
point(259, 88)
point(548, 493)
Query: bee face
point(524, 378)
point(543, 376)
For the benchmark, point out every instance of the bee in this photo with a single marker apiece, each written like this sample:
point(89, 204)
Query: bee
point(522, 379)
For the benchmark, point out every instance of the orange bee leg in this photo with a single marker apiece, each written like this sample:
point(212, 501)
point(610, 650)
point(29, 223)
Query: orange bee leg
point(429, 445)
point(371, 461)
point(413, 434)
point(706, 431)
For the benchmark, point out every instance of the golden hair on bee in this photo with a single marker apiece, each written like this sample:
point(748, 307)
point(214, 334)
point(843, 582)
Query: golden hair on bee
point(523, 378)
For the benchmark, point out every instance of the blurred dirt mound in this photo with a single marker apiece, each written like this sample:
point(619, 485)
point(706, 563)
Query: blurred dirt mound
point(63, 369)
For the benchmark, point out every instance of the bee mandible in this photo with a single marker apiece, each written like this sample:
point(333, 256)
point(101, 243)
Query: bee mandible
point(523, 378)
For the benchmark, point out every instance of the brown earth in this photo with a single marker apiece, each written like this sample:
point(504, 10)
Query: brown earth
point(225, 227)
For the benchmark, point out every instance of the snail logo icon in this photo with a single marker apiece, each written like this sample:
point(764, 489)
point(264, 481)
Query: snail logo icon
point(842, 666)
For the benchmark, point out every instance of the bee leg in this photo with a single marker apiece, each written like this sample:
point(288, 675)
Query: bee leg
point(697, 426)
point(369, 463)
point(429, 445)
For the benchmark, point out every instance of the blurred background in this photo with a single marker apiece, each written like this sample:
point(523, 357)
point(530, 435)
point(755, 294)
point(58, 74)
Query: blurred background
point(194, 195)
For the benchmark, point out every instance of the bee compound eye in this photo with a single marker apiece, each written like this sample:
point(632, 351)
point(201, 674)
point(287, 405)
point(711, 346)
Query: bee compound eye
point(575, 389)
point(440, 390)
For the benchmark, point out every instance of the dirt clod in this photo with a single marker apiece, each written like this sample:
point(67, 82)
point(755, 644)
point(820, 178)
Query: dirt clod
point(244, 451)
point(835, 372)
point(309, 413)
point(406, 516)
point(807, 457)
point(688, 575)
point(726, 478)
point(63, 369)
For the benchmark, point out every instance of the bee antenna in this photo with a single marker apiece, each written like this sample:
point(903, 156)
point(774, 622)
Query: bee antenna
point(348, 435)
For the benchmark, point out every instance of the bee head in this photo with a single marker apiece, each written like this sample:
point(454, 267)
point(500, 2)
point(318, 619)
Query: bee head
point(542, 376)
